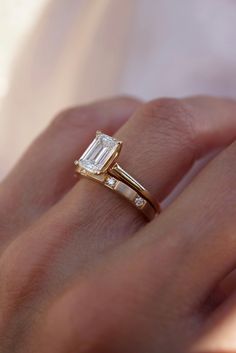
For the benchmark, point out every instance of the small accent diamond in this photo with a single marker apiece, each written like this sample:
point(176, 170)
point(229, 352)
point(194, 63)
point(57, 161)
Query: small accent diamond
point(139, 201)
point(111, 182)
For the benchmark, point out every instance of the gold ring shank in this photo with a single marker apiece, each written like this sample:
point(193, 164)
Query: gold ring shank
point(122, 175)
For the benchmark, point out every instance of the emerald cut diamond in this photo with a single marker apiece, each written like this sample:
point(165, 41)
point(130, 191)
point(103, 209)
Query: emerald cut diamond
point(100, 154)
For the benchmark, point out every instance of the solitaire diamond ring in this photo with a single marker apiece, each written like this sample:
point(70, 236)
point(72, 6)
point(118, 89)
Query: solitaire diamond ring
point(99, 163)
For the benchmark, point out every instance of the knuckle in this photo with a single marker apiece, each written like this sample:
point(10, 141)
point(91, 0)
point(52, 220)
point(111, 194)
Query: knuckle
point(172, 118)
point(162, 105)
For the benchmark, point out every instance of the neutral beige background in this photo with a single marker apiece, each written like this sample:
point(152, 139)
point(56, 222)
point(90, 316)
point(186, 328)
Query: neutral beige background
point(81, 50)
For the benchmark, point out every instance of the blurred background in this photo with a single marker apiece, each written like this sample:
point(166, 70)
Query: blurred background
point(58, 53)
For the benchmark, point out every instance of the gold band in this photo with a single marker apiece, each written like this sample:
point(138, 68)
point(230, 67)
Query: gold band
point(99, 164)
point(125, 191)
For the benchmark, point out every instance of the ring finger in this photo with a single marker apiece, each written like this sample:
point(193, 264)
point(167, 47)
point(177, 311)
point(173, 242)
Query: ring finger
point(161, 143)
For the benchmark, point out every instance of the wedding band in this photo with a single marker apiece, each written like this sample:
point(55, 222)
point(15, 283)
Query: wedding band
point(99, 163)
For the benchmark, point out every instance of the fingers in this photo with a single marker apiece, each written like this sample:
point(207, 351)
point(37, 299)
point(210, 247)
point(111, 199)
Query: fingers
point(161, 142)
point(181, 255)
point(167, 136)
point(46, 173)
point(90, 219)
point(200, 225)
point(173, 262)
point(125, 304)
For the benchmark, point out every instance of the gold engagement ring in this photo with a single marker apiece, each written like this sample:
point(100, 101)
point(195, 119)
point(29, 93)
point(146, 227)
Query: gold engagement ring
point(99, 163)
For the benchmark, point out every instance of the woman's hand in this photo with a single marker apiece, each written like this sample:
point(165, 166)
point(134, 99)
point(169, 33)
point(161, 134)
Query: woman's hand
point(81, 271)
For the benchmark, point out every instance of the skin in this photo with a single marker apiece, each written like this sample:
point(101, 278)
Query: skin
point(80, 269)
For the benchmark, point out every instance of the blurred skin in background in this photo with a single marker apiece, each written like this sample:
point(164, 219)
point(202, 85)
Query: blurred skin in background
point(76, 51)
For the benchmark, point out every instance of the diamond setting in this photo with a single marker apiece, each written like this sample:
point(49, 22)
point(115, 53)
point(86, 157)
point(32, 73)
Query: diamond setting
point(100, 154)
point(139, 201)
point(111, 182)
